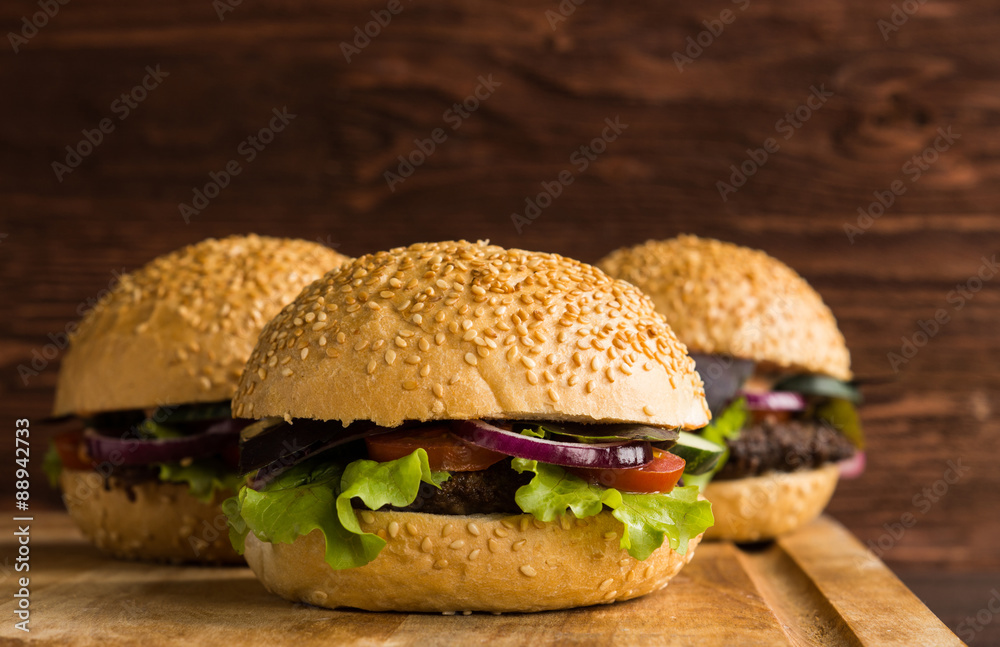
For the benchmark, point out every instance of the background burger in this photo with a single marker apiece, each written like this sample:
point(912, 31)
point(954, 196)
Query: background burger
point(776, 374)
point(148, 377)
point(459, 427)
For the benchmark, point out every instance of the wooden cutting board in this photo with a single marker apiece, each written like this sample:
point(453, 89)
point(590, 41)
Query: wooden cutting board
point(818, 586)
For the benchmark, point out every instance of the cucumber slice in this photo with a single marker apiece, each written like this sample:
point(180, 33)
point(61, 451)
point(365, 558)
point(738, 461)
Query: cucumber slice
point(820, 385)
point(193, 412)
point(700, 455)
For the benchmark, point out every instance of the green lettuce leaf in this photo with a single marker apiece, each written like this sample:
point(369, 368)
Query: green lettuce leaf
point(648, 519)
point(317, 496)
point(726, 426)
point(204, 477)
point(52, 465)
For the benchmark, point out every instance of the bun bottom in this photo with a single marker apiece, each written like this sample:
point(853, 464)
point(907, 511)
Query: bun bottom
point(452, 563)
point(151, 520)
point(767, 506)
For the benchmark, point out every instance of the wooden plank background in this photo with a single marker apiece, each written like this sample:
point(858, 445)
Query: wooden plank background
point(322, 178)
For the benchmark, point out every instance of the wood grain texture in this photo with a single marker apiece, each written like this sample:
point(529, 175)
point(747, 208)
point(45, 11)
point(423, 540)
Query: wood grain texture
point(323, 178)
point(723, 597)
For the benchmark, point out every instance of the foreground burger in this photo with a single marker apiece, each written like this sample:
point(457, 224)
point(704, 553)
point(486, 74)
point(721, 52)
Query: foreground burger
point(776, 374)
point(148, 376)
point(461, 427)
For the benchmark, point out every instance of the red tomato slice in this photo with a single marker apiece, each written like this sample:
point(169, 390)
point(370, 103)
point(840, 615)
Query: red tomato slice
point(69, 445)
point(444, 451)
point(661, 475)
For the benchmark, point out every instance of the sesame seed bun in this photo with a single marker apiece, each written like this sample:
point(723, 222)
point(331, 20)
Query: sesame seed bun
point(458, 330)
point(180, 329)
point(725, 299)
point(443, 563)
point(767, 506)
point(150, 520)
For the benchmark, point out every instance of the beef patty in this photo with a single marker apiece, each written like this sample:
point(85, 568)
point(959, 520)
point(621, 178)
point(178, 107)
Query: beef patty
point(484, 492)
point(783, 446)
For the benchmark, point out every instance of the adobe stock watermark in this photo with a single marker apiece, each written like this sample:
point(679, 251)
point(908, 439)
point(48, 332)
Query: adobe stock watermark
point(248, 149)
point(365, 34)
point(122, 107)
point(971, 627)
point(580, 159)
point(58, 341)
point(922, 501)
point(563, 10)
point(696, 45)
point(38, 20)
point(956, 298)
point(787, 126)
point(913, 169)
point(899, 16)
point(223, 7)
point(454, 116)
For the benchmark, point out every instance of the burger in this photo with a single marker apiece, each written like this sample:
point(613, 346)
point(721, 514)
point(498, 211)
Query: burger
point(457, 427)
point(146, 383)
point(777, 379)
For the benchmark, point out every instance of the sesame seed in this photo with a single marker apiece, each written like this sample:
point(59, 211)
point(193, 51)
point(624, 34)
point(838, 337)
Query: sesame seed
point(519, 545)
point(341, 338)
point(390, 357)
point(426, 545)
point(590, 386)
point(531, 377)
point(304, 354)
point(410, 385)
point(393, 529)
point(413, 359)
point(611, 534)
point(442, 563)
point(606, 584)
point(438, 390)
point(425, 370)
point(527, 361)
point(423, 344)
point(368, 517)
point(553, 395)
point(472, 528)
point(455, 545)
point(287, 372)
point(500, 532)
point(470, 335)
point(529, 571)
point(474, 554)
point(493, 545)
point(400, 342)
point(439, 338)
point(371, 366)
point(262, 373)
point(646, 409)
point(548, 377)
point(411, 528)
point(471, 359)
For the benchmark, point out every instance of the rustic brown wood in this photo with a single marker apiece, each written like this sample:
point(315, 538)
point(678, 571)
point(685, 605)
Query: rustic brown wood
point(723, 597)
point(323, 178)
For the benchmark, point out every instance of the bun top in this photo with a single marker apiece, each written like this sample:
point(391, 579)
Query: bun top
point(180, 329)
point(730, 300)
point(456, 330)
